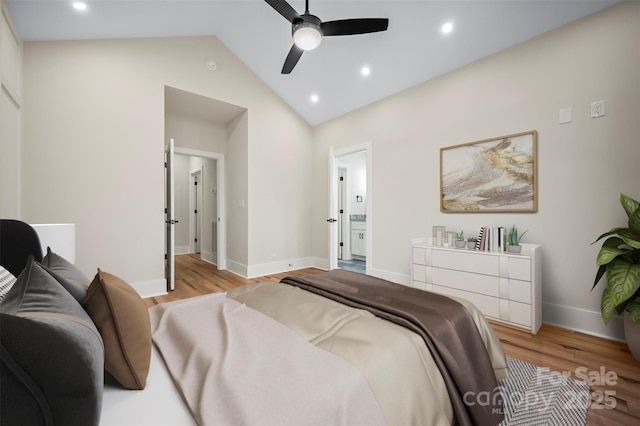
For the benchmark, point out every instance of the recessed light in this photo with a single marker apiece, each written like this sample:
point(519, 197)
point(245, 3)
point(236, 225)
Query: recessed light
point(365, 70)
point(447, 28)
point(79, 5)
point(314, 98)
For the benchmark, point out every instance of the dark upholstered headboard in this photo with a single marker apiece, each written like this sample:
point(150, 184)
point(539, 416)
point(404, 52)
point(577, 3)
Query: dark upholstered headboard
point(18, 240)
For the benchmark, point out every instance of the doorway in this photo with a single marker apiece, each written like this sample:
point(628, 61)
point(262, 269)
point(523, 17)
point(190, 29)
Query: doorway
point(202, 213)
point(350, 201)
point(206, 213)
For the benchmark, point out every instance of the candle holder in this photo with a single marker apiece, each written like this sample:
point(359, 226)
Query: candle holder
point(439, 236)
point(451, 237)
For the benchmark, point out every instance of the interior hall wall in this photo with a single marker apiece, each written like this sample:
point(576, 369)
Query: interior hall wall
point(94, 147)
point(11, 103)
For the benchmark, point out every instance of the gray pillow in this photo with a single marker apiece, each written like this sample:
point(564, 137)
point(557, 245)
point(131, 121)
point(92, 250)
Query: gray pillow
point(66, 273)
point(52, 356)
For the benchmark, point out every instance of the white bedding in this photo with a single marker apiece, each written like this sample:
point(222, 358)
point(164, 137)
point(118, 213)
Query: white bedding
point(235, 366)
point(159, 404)
point(162, 404)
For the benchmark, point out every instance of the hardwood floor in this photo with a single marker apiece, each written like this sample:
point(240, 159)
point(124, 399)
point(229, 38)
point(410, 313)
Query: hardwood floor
point(608, 366)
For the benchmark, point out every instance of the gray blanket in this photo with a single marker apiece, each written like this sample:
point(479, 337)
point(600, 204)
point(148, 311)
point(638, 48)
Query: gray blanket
point(445, 325)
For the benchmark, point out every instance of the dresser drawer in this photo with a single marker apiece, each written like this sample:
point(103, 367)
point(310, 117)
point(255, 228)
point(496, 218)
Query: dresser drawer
point(473, 262)
point(517, 290)
point(515, 312)
point(516, 268)
point(419, 255)
point(419, 272)
point(488, 305)
point(467, 281)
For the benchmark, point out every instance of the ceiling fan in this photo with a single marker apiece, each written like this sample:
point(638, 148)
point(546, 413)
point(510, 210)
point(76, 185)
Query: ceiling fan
point(308, 29)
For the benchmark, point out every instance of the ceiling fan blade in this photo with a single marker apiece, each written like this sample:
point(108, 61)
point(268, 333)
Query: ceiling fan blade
point(354, 26)
point(284, 9)
point(292, 59)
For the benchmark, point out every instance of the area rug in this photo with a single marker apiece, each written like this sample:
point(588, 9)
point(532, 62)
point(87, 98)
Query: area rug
point(537, 396)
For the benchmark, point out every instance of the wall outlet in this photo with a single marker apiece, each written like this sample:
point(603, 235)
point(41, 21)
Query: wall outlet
point(597, 109)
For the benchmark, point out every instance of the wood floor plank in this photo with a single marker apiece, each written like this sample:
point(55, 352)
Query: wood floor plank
point(557, 349)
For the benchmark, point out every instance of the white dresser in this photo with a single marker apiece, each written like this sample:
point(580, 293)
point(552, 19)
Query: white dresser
point(505, 287)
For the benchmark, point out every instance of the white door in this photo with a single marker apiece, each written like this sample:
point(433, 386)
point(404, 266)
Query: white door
point(343, 224)
point(333, 202)
point(170, 259)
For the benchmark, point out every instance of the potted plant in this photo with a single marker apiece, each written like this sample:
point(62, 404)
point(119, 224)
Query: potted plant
point(471, 242)
point(619, 257)
point(513, 240)
point(460, 243)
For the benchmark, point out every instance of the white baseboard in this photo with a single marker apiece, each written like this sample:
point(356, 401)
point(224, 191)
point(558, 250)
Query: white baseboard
point(182, 249)
point(583, 321)
point(319, 263)
point(210, 257)
point(151, 288)
point(237, 268)
point(394, 277)
point(279, 267)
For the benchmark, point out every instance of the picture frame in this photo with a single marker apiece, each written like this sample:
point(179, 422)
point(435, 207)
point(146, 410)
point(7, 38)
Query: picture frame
point(491, 175)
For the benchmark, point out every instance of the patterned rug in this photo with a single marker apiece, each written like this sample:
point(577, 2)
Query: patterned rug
point(537, 396)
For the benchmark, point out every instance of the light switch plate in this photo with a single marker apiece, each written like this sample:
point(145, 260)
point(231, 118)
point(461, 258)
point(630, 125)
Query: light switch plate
point(564, 116)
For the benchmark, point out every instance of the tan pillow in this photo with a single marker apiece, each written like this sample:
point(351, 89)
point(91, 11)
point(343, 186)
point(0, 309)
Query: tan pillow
point(123, 321)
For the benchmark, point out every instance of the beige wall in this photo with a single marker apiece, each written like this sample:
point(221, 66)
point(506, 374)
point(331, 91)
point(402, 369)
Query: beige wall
point(93, 149)
point(582, 166)
point(11, 103)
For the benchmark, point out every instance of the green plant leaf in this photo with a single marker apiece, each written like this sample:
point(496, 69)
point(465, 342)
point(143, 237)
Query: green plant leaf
point(623, 280)
point(634, 310)
point(609, 251)
point(601, 270)
point(629, 204)
point(611, 232)
point(607, 306)
point(630, 238)
point(634, 222)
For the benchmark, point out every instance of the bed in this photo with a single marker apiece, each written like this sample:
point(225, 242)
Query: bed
point(318, 349)
point(403, 384)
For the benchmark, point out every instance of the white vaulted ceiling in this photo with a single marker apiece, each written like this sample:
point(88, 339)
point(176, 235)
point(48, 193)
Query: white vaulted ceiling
point(411, 51)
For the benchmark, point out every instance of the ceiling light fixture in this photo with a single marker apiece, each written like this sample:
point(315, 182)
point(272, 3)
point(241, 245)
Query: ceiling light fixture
point(447, 28)
point(307, 35)
point(365, 71)
point(79, 5)
point(314, 99)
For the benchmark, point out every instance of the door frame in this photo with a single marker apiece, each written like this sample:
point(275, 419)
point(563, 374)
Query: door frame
point(195, 204)
point(221, 246)
point(343, 219)
point(334, 156)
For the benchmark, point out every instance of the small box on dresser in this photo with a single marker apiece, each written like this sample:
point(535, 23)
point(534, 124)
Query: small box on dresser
point(505, 287)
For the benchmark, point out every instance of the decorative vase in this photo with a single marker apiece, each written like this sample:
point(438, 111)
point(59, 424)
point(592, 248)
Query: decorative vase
point(460, 243)
point(632, 334)
point(514, 249)
point(471, 245)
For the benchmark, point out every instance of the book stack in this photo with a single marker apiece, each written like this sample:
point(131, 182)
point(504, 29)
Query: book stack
point(492, 238)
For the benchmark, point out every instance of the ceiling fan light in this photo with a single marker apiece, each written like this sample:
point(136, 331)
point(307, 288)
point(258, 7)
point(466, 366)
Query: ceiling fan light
point(307, 37)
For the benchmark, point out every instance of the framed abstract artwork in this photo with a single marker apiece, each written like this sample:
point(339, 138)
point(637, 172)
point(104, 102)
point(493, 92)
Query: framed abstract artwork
point(491, 175)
